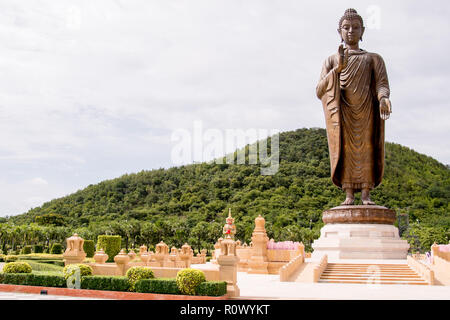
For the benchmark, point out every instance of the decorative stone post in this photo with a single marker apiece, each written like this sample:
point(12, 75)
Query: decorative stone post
point(100, 256)
point(302, 250)
point(202, 254)
point(258, 261)
point(173, 257)
point(161, 253)
point(434, 252)
point(145, 257)
point(216, 251)
point(122, 260)
point(228, 261)
point(132, 254)
point(142, 249)
point(74, 252)
point(185, 255)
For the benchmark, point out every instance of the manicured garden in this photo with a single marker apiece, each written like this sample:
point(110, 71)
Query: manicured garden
point(36, 270)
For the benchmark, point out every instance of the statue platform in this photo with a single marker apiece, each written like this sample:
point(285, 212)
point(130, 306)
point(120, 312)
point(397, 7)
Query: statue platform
point(360, 232)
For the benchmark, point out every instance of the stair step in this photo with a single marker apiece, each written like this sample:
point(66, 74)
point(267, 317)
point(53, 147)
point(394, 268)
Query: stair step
point(369, 271)
point(374, 282)
point(371, 278)
point(369, 275)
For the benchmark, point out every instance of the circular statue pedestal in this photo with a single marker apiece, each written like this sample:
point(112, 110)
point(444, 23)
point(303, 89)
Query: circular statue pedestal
point(360, 232)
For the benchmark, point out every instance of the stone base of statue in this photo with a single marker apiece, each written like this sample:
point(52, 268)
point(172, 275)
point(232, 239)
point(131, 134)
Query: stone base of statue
point(359, 232)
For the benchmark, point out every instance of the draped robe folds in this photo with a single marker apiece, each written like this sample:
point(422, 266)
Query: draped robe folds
point(355, 130)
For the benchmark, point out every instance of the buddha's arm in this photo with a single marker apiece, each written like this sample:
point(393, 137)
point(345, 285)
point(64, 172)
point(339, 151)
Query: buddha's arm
point(381, 78)
point(327, 75)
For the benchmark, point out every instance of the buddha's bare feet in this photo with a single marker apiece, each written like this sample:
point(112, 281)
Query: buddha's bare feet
point(365, 197)
point(350, 197)
point(348, 201)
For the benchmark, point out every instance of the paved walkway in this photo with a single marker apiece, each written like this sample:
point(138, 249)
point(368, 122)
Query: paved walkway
point(28, 296)
point(255, 286)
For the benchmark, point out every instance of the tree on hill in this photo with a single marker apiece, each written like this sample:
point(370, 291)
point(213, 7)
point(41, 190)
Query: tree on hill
point(176, 204)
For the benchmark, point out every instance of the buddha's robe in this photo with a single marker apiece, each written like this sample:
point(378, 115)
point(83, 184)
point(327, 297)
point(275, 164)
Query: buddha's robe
point(355, 129)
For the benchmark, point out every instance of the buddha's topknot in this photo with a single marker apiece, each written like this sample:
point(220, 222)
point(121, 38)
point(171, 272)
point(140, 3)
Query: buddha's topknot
point(350, 14)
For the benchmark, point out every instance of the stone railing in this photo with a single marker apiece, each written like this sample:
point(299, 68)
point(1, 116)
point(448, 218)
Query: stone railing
point(423, 270)
point(441, 251)
point(318, 270)
point(289, 269)
point(440, 262)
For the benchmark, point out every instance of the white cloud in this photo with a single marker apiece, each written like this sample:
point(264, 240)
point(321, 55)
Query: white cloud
point(39, 181)
point(92, 90)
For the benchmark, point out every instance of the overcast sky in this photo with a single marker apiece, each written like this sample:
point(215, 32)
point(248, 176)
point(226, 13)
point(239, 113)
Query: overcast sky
point(93, 89)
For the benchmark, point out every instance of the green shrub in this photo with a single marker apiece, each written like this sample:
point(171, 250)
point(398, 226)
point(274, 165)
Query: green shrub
point(56, 248)
point(160, 285)
point(120, 284)
point(108, 283)
point(188, 280)
point(212, 288)
point(2, 258)
point(31, 279)
point(58, 263)
point(89, 248)
point(39, 266)
point(17, 267)
point(26, 250)
point(110, 244)
point(49, 281)
point(11, 258)
point(38, 248)
point(96, 283)
point(135, 274)
point(169, 286)
point(17, 278)
point(71, 269)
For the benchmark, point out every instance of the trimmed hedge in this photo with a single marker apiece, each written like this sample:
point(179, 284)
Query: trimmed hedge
point(110, 244)
point(26, 250)
point(10, 258)
point(38, 266)
point(161, 285)
point(134, 274)
point(38, 248)
point(169, 286)
point(58, 263)
point(70, 270)
point(89, 248)
point(188, 280)
point(56, 248)
point(17, 267)
point(108, 283)
point(212, 288)
point(30, 279)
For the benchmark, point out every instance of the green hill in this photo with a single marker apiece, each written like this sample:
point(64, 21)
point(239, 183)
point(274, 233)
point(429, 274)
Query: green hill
point(189, 203)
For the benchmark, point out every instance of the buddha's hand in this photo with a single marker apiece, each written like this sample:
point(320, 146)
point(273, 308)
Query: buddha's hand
point(343, 59)
point(385, 108)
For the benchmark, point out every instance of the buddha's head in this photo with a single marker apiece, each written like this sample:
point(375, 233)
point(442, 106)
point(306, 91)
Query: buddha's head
point(351, 27)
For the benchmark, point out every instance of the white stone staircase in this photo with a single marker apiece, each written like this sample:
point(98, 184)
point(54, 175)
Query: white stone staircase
point(364, 273)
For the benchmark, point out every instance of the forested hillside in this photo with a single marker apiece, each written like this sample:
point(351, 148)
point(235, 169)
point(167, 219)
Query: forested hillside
point(189, 203)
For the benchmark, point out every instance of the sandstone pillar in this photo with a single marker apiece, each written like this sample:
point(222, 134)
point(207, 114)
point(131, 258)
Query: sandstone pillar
point(228, 261)
point(258, 261)
point(74, 252)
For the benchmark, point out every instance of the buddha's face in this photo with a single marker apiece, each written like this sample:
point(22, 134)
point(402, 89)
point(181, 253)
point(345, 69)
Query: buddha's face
point(351, 31)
